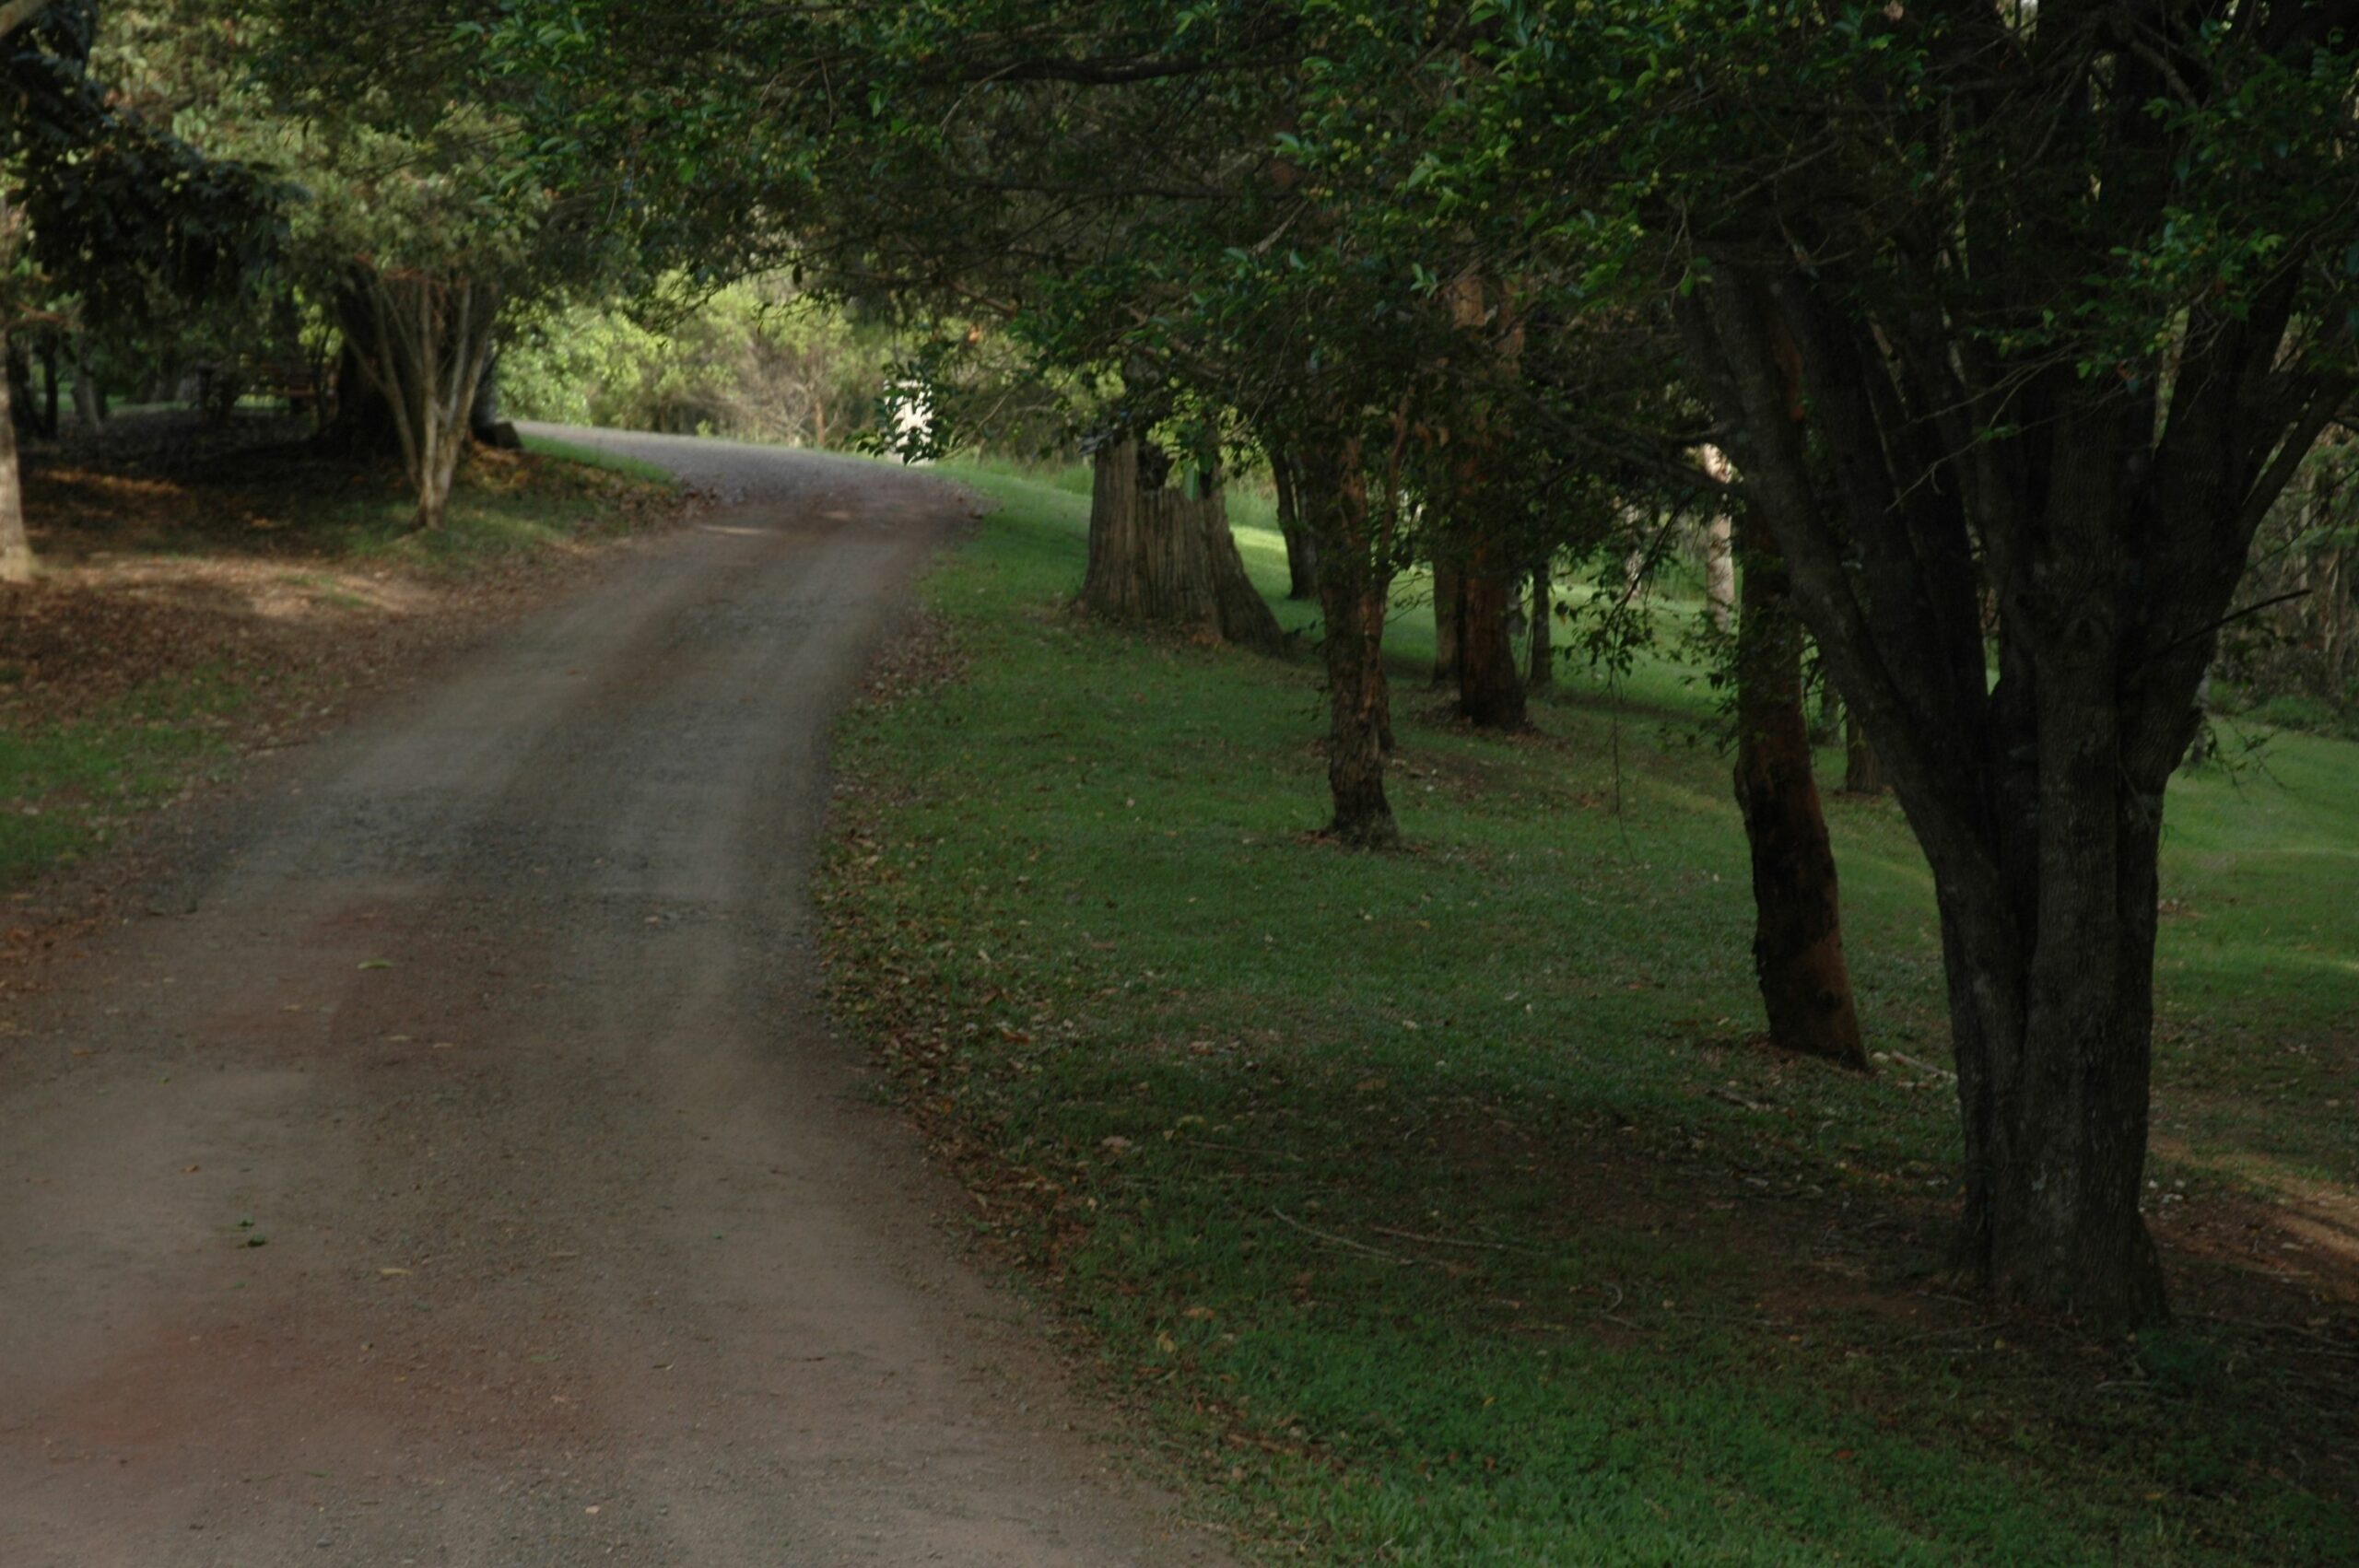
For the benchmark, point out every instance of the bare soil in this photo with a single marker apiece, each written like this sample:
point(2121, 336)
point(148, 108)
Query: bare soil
point(442, 1160)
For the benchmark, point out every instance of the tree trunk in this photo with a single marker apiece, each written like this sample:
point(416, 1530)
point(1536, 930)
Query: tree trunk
point(1720, 547)
point(363, 427)
point(486, 421)
point(427, 343)
point(50, 388)
point(426, 352)
point(15, 544)
point(1798, 929)
point(1862, 775)
point(2037, 798)
point(23, 410)
point(1354, 595)
point(1720, 571)
point(2054, 1062)
point(1302, 545)
point(90, 403)
point(1160, 558)
point(1490, 687)
point(1540, 652)
point(1450, 602)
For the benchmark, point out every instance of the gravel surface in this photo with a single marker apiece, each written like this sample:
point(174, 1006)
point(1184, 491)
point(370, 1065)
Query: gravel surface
point(450, 1166)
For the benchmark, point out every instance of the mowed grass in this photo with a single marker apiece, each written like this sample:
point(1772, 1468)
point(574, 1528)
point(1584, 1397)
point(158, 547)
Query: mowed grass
point(1435, 1206)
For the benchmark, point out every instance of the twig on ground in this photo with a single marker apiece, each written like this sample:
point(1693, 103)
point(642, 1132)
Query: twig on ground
point(1453, 1241)
point(1331, 1236)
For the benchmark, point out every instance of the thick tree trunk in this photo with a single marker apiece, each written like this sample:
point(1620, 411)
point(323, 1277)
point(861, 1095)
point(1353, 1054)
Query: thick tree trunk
point(1798, 929)
point(2054, 1062)
point(1354, 596)
point(1449, 606)
point(15, 544)
point(1160, 558)
point(1862, 774)
point(1490, 687)
point(1540, 651)
point(1302, 545)
point(1476, 513)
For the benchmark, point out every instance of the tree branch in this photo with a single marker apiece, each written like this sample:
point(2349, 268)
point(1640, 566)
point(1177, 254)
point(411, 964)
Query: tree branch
point(18, 14)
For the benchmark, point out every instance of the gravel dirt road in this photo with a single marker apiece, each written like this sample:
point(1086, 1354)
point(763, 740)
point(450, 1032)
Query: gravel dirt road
point(450, 1166)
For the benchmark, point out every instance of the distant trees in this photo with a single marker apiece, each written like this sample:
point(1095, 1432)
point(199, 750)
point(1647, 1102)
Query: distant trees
point(2297, 659)
point(411, 234)
point(759, 360)
point(101, 213)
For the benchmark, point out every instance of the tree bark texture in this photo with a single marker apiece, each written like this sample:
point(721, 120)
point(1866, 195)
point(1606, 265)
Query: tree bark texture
point(1862, 775)
point(23, 407)
point(1540, 649)
point(1798, 922)
point(1720, 549)
point(1354, 593)
point(1720, 572)
point(51, 380)
point(1490, 686)
point(1449, 599)
point(1163, 559)
point(362, 428)
point(1476, 515)
point(15, 544)
point(1302, 545)
point(90, 403)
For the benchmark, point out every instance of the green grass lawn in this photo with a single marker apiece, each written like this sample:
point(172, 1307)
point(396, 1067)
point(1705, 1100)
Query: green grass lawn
point(1435, 1206)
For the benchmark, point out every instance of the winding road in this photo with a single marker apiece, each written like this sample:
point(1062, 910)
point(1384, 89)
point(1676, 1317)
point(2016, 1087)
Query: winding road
point(451, 1166)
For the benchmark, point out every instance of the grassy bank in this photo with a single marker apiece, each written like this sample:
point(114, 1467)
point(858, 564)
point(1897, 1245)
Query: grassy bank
point(1436, 1207)
point(194, 600)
